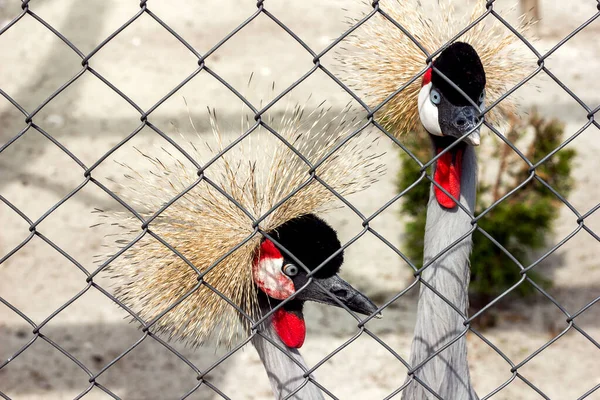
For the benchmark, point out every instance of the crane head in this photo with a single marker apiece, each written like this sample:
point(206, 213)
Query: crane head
point(278, 276)
point(448, 115)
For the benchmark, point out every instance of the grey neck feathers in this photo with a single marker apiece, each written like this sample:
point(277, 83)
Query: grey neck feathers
point(437, 323)
point(284, 374)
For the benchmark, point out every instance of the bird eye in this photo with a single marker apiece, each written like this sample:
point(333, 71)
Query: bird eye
point(481, 97)
point(435, 97)
point(290, 270)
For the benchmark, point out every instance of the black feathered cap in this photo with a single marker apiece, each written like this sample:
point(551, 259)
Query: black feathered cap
point(312, 241)
point(461, 64)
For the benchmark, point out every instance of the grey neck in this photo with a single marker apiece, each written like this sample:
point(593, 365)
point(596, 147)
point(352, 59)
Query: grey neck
point(284, 374)
point(437, 323)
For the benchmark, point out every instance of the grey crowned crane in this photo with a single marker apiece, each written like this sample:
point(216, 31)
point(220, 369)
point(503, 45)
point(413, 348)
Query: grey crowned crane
point(278, 277)
point(484, 62)
point(262, 268)
point(447, 116)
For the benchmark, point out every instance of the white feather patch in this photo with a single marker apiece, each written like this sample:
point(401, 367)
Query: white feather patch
point(428, 112)
point(271, 280)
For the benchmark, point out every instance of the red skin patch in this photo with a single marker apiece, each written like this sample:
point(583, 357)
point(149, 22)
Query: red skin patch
point(290, 327)
point(268, 250)
point(447, 175)
point(426, 77)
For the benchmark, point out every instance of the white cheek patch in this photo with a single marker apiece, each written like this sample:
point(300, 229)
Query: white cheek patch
point(270, 279)
point(428, 112)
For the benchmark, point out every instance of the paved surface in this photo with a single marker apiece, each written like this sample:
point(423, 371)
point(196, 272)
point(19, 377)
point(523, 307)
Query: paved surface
point(145, 62)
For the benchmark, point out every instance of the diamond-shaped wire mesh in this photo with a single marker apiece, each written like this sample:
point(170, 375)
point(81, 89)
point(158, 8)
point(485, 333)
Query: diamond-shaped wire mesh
point(202, 381)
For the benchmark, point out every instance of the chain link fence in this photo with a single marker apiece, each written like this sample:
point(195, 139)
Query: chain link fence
point(204, 67)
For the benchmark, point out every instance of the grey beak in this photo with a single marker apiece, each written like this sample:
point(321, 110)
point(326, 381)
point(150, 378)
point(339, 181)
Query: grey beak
point(346, 294)
point(463, 120)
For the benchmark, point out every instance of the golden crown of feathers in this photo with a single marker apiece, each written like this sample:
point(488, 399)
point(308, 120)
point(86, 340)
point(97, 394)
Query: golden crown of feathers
point(379, 58)
point(204, 225)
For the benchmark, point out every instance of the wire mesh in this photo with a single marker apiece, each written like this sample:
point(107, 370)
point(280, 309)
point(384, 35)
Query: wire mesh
point(203, 66)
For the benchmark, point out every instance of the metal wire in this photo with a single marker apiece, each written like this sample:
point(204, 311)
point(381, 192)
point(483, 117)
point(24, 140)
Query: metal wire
point(87, 178)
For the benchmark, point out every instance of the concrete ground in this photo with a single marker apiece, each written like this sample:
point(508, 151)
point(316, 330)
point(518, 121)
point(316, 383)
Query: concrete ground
point(145, 62)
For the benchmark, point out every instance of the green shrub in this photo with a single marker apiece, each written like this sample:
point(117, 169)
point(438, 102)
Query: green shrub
point(521, 223)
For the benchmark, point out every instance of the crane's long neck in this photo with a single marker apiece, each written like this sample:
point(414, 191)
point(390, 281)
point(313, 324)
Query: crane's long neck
point(284, 374)
point(437, 323)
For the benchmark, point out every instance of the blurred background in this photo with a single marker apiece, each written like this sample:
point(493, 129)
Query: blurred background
point(146, 62)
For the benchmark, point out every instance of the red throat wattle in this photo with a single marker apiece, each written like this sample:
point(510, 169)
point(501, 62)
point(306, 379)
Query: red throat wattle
point(290, 327)
point(447, 175)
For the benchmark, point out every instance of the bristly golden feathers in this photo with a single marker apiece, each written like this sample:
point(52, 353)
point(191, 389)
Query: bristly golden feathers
point(379, 58)
point(203, 225)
